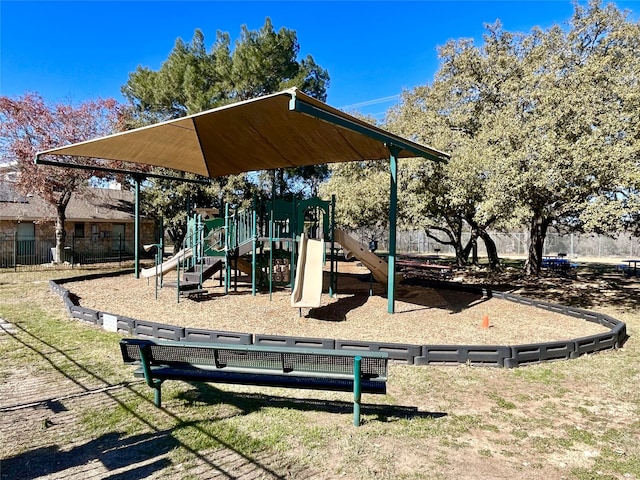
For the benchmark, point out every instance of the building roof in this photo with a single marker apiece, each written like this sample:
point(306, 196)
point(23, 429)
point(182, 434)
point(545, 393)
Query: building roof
point(92, 205)
point(285, 129)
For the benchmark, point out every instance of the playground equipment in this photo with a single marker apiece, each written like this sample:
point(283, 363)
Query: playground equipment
point(261, 242)
point(276, 243)
point(167, 265)
point(307, 292)
point(352, 248)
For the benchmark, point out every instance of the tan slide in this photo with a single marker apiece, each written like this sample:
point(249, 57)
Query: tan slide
point(379, 268)
point(168, 265)
point(307, 291)
point(244, 266)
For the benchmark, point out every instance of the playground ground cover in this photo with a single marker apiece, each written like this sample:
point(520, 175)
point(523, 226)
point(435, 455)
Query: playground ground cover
point(423, 315)
point(69, 409)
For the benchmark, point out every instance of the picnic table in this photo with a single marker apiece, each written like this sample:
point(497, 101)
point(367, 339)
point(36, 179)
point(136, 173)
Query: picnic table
point(631, 267)
point(429, 270)
point(556, 262)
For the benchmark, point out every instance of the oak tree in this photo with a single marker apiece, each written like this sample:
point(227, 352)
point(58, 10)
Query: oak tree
point(543, 127)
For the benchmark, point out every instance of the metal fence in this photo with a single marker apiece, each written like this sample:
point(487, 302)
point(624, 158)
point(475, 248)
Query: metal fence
point(516, 244)
point(28, 252)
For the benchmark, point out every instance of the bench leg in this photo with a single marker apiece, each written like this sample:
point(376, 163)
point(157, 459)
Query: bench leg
point(157, 393)
point(357, 389)
point(152, 382)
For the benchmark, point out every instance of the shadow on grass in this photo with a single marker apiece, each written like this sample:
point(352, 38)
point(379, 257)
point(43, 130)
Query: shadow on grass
point(113, 450)
point(253, 402)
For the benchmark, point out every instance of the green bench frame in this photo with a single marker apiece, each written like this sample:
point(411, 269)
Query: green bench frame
point(274, 366)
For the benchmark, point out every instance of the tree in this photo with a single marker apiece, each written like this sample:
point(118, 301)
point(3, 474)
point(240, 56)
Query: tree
point(546, 121)
point(580, 122)
point(455, 114)
point(265, 62)
point(28, 124)
point(362, 195)
point(193, 79)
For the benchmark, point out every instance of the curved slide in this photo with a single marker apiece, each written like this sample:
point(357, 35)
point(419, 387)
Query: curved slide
point(307, 290)
point(167, 265)
point(379, 268)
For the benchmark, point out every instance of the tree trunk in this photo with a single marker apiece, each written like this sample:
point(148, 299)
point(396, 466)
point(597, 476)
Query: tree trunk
point(492, 250)
point(538, 231)
point(176, 235)
point(471, 248)
point(455, 240)
point(61, 233)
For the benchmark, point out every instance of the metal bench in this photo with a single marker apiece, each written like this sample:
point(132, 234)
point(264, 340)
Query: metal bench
point(307, 368)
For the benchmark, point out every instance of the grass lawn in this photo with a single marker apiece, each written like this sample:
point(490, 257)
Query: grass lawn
point(69, 408)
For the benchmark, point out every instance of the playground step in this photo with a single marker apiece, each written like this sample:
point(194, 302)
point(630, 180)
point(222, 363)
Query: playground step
point(198, 292)
point(211, 260)
point(208, 270)
point(190, 277)
point(184, 285)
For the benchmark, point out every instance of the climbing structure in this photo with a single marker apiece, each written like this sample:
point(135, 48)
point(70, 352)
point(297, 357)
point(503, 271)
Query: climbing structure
point(261, 242)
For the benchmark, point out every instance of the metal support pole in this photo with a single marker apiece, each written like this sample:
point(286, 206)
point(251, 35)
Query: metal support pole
point(158, 262)
point(136, 233)
point(271, 234)
point(393, 203)
point(227, 250)
point(271, 246)
point(161, 253)
point(332, 266)
point(357, 389)
point(254, 234)
point(178, 279)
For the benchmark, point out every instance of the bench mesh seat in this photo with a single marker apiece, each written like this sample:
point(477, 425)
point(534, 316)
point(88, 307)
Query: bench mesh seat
point(280, 359)
point(274, 366)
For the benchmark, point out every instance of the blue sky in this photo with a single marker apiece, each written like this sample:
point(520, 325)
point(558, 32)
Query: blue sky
point(75, 50)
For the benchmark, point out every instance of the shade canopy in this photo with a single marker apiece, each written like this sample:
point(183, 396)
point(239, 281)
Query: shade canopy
point(285, 129)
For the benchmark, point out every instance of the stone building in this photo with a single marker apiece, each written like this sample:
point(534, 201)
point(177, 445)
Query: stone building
point(99, 225)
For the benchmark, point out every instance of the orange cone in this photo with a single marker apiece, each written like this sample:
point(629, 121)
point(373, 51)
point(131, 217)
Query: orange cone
point(485, 322)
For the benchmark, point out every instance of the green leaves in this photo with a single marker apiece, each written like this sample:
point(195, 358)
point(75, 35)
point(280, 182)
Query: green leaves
point(192, 79)
point(543, 127)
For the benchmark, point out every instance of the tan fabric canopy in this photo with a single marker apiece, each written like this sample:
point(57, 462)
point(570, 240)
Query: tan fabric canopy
point(285, 129)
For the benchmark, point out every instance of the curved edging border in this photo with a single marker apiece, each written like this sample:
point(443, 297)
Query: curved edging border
point(509, 356)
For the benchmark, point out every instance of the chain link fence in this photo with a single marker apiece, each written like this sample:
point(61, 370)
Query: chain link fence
point(516, 244)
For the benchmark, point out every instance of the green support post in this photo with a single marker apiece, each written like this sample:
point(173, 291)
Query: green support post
point(161, 253)
point(393, 203)
point(333, 278)
point(136, 228)
point(271, 246)
point(357, 389)
point(158, 263)
point(153, 383)
point(271, 233)
point(254, 234)
point(227, 246)
point(178, 280)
